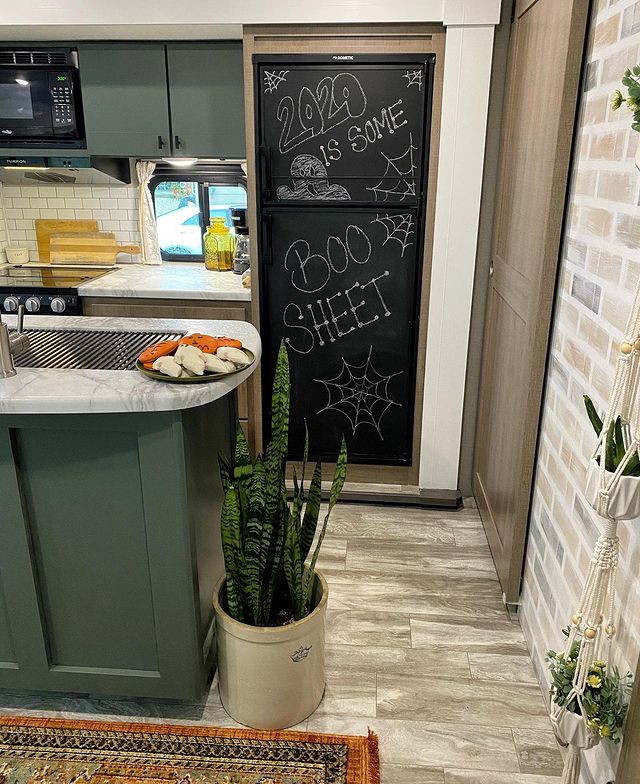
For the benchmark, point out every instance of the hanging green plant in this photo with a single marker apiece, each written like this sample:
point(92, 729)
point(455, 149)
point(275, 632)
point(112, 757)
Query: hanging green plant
point(631, 80)
point(606, 694)
point(616, 442)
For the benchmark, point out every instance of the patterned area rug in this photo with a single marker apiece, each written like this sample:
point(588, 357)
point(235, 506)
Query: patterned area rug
point(47, 751)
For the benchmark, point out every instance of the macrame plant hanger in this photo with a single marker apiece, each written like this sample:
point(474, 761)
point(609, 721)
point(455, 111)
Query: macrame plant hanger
point(614, 497)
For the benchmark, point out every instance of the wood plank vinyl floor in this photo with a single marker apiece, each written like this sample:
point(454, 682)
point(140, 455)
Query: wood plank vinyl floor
point(419, 648)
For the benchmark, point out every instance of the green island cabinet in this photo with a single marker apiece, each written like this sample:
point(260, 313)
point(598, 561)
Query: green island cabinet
point(110, 549)
point(182, 99)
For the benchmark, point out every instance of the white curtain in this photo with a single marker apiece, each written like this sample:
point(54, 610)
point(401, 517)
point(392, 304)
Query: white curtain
point(146, 215)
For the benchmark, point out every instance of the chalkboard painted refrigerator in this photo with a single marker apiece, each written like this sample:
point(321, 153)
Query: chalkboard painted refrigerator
point(341, 182)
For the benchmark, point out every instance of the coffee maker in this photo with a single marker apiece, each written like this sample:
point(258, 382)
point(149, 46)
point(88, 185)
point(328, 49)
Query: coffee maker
point(242, 256)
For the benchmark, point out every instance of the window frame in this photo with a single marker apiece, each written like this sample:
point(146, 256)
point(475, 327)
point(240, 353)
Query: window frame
point(223, 174)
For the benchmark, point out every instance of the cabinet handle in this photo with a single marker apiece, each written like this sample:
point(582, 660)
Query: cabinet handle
point(178, 143)
point(160, 142)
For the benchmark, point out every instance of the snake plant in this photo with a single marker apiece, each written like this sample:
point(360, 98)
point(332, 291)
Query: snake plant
point(266, 541)
point(614, 443)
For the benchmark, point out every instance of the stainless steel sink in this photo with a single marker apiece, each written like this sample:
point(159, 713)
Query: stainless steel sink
point(88, 349)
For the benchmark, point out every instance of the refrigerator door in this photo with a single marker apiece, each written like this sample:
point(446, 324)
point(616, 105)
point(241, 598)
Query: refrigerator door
point(342, 288)
point(350, 131)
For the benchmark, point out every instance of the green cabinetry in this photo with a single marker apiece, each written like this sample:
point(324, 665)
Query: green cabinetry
point(153, 100)
point(110, 549)
point(124, 97)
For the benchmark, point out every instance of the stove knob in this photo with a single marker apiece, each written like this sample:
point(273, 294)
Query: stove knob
point(32, 304)
point(58, 305)
point(11, 304)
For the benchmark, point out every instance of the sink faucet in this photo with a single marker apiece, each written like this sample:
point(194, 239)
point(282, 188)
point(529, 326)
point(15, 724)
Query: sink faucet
point(12, 345)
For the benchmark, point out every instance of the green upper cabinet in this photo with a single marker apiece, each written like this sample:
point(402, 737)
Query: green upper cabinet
point(206, 94)
point(152, 100)
point(124, 95)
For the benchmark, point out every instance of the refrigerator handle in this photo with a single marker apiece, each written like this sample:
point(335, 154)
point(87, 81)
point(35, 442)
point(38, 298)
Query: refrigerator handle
point(265, 171)
point(265, 240)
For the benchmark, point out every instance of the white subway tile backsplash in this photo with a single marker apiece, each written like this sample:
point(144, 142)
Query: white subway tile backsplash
point(114, 208)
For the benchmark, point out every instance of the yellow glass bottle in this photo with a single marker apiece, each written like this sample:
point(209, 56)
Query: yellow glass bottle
point(219, 246)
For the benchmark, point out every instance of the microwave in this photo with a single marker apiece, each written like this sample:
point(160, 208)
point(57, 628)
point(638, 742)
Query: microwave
point(40, 103)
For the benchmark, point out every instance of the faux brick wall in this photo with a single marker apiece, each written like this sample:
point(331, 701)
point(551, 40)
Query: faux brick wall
point(115, 209)
point(600, 269)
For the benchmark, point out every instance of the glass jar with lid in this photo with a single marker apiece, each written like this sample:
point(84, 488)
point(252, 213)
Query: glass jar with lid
point(219, 246)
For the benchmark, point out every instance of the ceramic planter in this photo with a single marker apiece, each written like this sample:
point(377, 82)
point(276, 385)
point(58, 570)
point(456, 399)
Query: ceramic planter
point(571, 729)
point(624, 501)
point(271, 677)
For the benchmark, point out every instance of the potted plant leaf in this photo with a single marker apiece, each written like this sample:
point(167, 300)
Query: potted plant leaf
point(623, 501)
point(604, 701)
point(270, 605)
point(630, 80)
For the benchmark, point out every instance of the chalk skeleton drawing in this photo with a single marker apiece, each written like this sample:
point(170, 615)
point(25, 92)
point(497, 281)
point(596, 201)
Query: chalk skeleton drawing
point(399, 228)
point(273, 80)
point(310, 182)
point(360, 393)
point(396, 184)
point(414, 77)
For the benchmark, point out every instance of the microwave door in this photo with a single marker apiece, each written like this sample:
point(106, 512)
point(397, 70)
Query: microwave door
point(25, 104)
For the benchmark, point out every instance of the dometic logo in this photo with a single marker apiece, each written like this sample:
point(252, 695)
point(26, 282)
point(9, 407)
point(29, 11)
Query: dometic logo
point(6, 131)
point(342, 57)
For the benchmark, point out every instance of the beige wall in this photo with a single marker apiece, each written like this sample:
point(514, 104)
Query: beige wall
point(599, 272)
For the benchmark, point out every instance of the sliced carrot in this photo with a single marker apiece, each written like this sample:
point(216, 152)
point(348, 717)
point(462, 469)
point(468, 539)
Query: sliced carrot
point(231, 342)
point(206, 343)
point(159, 350)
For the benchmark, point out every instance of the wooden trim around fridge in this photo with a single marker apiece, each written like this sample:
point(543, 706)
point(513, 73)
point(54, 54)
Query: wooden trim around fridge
point(367, 39)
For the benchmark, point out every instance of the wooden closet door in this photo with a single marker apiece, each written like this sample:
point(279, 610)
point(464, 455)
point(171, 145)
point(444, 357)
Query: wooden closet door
point(547, 40)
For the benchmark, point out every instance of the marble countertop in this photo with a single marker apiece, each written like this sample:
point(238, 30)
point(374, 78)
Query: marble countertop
point(51, 391)
point(177, 280)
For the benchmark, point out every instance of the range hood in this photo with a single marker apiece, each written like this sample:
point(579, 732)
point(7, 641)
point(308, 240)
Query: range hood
point(38, 170)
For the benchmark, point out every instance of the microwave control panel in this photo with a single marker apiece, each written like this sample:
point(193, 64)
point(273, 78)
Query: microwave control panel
point(62, 104)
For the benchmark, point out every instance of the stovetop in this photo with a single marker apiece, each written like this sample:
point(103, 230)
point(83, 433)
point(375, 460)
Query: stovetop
point(46, 291)
point(19, 277)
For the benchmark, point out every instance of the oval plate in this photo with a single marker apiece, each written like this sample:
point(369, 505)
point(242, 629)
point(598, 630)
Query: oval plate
point(157, 376)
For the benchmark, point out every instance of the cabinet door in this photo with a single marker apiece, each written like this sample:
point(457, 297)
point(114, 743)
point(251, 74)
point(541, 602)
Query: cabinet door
point(124, 93)
point(206, 89)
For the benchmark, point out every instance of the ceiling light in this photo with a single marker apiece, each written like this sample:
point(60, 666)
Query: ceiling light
point(180, 163)
point(23, 82)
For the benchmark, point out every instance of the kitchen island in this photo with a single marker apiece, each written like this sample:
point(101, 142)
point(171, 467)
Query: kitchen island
point(109, 530)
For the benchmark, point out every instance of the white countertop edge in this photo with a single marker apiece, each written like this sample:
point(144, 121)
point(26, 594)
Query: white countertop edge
point(57, 391)
point(170, 280)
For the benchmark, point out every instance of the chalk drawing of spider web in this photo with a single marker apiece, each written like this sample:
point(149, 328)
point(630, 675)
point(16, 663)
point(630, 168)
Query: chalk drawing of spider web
point(395, 185)
point(398, 228)
point(360, 393)
point(413, 77)
point(273, 80)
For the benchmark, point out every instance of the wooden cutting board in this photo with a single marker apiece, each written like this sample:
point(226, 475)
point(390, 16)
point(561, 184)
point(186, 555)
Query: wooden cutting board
point(88, 250)
point(45, 228)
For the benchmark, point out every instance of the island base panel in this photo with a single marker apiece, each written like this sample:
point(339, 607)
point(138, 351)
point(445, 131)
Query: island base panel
point(111, 549)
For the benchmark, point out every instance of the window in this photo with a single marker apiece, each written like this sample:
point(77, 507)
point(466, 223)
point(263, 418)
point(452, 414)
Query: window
point(184, 205)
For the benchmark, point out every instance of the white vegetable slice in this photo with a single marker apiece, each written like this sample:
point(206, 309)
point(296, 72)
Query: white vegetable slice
point(231, 354)
point(184, 352)
point(167, 366)
point(214, 364)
